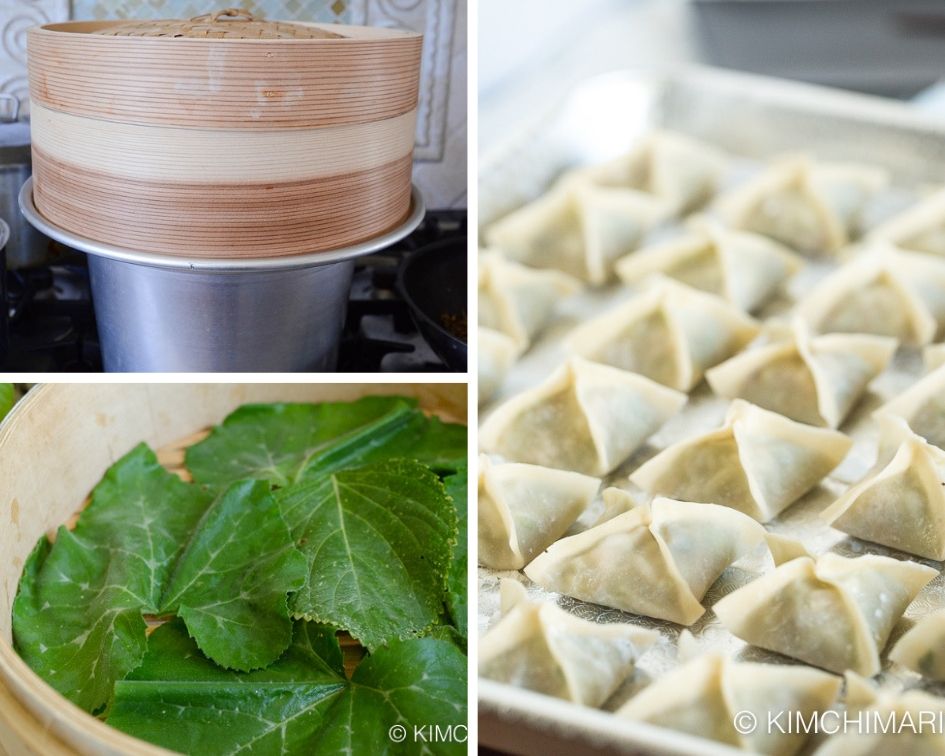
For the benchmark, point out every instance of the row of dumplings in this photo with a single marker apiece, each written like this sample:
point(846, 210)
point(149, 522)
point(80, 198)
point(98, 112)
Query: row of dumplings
point(739, 259)
point(793, 383)
point(538, 646)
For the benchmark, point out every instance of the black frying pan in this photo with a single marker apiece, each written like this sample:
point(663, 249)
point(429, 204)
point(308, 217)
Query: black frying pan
point(432, 282)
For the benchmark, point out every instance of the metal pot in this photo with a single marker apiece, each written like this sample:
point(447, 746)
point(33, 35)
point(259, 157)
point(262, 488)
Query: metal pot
point(177, 314)
point(26, 245)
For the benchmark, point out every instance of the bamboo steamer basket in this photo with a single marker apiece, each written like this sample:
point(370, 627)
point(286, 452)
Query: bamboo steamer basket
point(54, 447)
point(223, 136)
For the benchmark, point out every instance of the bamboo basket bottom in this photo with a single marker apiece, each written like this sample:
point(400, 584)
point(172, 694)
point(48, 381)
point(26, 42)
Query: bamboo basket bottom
point(225, 220)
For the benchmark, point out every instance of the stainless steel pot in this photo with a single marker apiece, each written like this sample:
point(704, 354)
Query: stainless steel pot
point(176, 314)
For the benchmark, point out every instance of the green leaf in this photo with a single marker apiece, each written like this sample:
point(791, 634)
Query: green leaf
point(77, 616)
point(7, 399)
point(230, 585)
point(417, 684)
point(180, 700)
point(276, 441)
point(441, 446)
point(149, 543)
point(457, 585)
point(284, 443)
point(378, 541)
point(300, 704)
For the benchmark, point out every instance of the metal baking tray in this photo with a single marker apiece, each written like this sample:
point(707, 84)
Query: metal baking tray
point(752, 118)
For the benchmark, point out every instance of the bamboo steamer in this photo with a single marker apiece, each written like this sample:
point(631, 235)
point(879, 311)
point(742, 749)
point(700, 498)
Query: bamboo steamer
point(54, 448)
point(223, 136)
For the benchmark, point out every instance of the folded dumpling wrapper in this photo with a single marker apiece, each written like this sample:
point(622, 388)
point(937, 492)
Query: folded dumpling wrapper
point(901, 502)
point(578, 228)
point(497, 354)
point(616, 501)
point(922, 648)
point(922, 405)
point(538, 646)
point(673, 167)
point(703, 696)
point(905, 723)
point(883, 291)
point(933, 356)
point(743, 268)
point(758, 462)
point(832, 612)
point(814, 207)
point(656, 561)
point(812, 379)
point(584, 417)
point(517, 300)
point(523, 509)
point(919, 228)
point(669, 332)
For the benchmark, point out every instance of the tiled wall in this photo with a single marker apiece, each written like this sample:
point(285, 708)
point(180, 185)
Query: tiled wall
point(440, 164)
point(16, 16)
point(337, 11)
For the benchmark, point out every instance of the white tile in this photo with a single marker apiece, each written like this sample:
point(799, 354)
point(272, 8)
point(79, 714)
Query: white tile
point(18, 16)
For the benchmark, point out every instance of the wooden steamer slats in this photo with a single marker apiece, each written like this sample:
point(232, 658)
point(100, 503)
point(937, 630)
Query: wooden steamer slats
point(220, 147)
point(223, 220)
point(223, 83)
point(186, 155)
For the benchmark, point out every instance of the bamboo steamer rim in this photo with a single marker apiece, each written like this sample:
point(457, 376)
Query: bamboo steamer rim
point(230, 23)
point(34, 717)
point(332, 34)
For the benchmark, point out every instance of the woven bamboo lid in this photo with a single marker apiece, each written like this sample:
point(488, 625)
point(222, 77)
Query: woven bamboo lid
point(231, 23)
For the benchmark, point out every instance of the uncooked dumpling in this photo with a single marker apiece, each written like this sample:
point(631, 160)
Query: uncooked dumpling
point(523, 509)
point(673, 167)
point(758, 462)
point(811, 206)
point(901, 502)
point(920, 228)
point(933, 356)
point(922, 648)
point(814, 380)
point(584, 417)
point(922, 406)
point(835, 613)
point(519, 301)
point(703, 696)
point(657, 561)
point(497, 354)
point(578, 228)
point(543, 648)
point(882, 291)
point(904, 723)
point(743, 268)
point(669, 332)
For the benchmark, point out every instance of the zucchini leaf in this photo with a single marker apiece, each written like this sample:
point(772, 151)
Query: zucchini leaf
point(7, 399)
point(456, 583)
point(417, 684)
point(180, 700)
point(77, 616)
point(301, 704)
point(285, 443)
point(230, 583)
point(148, 543)
point(378, 541)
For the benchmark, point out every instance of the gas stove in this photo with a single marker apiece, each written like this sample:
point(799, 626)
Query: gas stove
point(52, 323)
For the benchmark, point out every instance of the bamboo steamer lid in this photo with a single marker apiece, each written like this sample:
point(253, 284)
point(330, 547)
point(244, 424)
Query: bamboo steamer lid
point(219, 26)
point(223, 136)
point(94, 424)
